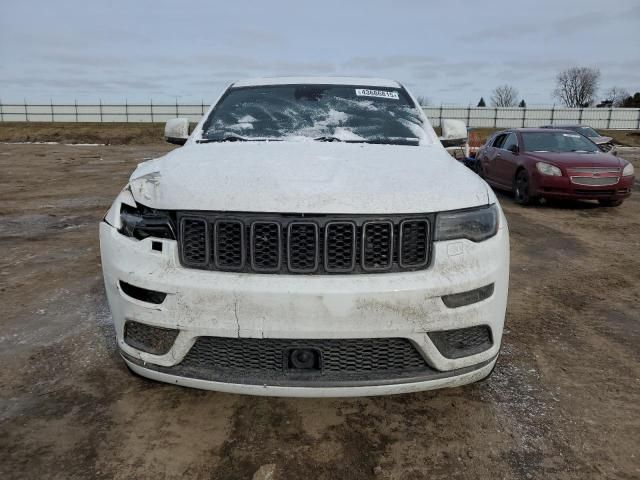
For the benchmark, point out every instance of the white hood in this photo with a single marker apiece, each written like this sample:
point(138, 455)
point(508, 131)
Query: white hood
point(308, 177)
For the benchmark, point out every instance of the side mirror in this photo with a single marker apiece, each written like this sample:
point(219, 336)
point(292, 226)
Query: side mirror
point(454, 129)
point(176, 130)
point(454, 133)
point(514, 149)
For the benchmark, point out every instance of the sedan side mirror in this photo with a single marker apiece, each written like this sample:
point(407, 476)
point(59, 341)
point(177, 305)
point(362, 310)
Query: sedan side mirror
point(514, 149)
point(176, 130)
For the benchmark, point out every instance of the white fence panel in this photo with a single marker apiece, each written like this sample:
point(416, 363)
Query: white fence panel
point(490, 117)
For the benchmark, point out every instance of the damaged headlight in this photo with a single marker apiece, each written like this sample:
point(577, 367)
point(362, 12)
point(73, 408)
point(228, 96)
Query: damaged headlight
point(142, 222)
point(134, 220)
point(476, 225)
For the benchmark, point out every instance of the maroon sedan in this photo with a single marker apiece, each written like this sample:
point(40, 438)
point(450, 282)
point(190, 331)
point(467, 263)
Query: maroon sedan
point(553, 163)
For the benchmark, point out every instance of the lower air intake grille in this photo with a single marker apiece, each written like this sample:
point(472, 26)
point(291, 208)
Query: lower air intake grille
point(462, 342)
point(304, 244)
point(150, 339)
point(338, 356)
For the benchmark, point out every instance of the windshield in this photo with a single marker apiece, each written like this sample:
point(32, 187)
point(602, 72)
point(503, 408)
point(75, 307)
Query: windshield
point(586, 131)
point(557, 142)
point(320, 112)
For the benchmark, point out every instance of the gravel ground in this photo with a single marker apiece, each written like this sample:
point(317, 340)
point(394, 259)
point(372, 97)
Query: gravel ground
point(563, 402)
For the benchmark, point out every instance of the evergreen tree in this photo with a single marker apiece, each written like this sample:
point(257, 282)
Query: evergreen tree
point(632, 102)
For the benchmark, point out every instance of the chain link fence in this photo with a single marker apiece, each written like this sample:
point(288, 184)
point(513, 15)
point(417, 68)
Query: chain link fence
point(490, 117)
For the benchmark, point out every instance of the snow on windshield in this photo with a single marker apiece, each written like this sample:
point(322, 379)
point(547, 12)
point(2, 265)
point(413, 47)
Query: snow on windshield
point(325, 112)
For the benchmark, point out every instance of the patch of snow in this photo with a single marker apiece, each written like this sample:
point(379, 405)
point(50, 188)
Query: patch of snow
point(346, 134)
point(85, 144)
point(240, 126)
point(30, 143)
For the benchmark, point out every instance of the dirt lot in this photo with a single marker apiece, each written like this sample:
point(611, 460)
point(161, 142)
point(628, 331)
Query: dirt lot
point(564, 401)
point(146, 133)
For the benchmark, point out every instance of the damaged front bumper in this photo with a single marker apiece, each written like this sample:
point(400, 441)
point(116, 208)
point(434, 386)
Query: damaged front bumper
point(303, 310)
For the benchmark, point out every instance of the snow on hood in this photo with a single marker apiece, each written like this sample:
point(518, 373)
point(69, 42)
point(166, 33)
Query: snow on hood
point(308, 177)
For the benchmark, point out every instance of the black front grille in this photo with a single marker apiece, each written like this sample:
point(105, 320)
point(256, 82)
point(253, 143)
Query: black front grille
point(265, 246)
point(194, 241)
point(228, 245)
point(340, 246)
point(304, 244)
point(302, 247)
point(377, 245)
point(268, 356)
point(413, 235)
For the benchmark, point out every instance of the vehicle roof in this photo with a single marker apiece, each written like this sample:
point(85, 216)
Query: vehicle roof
point(564, 125)
point(360, 81)
point(531, 129)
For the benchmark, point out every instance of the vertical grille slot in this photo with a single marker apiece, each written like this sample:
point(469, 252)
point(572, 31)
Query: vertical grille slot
point(414, 243)
point(377, 245)
point(229, 245)
point(194, 241)
point(265, 246)
point(340, 247)
point(302, 247)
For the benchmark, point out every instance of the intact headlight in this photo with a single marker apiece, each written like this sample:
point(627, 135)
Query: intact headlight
point(627, 171)
point(548, 169)
point(476, 225)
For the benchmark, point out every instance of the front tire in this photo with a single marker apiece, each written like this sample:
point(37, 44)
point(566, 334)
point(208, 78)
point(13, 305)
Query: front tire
point(610, 203)
point(522, 189)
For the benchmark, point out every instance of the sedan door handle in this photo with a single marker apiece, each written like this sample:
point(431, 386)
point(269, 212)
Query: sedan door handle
point(498, 155)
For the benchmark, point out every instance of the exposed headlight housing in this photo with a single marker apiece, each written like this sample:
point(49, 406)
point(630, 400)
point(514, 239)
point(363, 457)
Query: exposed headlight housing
point(627, 171)
point(142, 222)
point(125, 197)
point(134, 220)
point(476, 224)
point(548, 169)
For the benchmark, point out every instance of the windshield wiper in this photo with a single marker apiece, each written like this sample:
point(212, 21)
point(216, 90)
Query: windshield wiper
point(234, 137)
point(328, 138)
point(376, 141)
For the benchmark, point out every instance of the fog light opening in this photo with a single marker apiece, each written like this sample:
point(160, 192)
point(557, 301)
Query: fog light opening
point(142, 294)
point(467, 298)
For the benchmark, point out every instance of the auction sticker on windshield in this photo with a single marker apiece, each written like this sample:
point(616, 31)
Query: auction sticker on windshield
point(365, 92)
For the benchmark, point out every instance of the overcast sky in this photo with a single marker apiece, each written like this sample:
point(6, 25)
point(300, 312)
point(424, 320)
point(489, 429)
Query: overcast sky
point(451, 51)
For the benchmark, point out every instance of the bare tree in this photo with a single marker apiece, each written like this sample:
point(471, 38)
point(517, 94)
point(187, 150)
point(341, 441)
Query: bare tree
point(504, 96)
point(616, 96)
point(577, 86)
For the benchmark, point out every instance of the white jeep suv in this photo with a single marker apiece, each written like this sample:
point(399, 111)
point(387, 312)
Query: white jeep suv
point(311, 238)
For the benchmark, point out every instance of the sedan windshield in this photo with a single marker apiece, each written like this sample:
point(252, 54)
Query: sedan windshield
point(557, 142)
point(319, 112)
point(586, 131)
